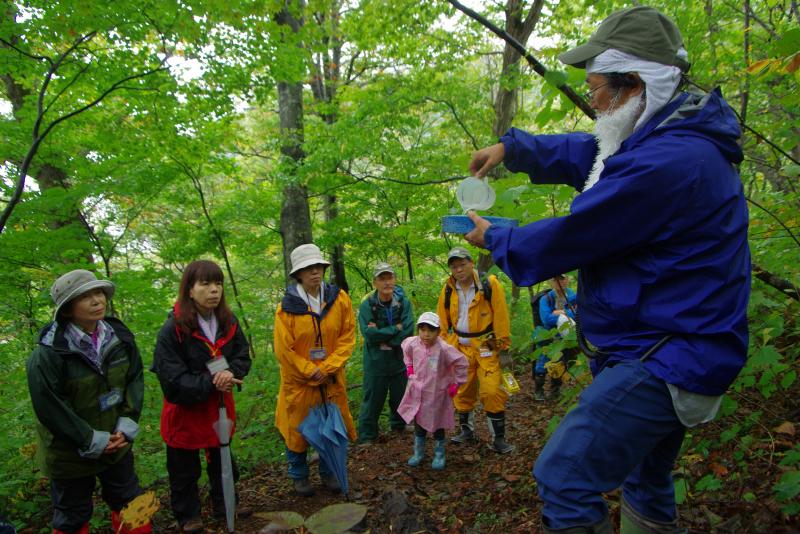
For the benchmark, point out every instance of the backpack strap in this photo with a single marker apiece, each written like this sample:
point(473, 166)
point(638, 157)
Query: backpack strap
point(486, 287)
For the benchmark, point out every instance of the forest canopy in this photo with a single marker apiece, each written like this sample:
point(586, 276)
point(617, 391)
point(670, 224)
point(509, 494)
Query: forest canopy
point(139, 136)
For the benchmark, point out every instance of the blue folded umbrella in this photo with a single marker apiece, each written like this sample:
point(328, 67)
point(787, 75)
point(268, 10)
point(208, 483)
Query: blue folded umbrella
point(324, 429)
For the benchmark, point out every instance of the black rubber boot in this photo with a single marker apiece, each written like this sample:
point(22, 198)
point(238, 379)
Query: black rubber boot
point(538, 387)
point(497, 427)
point(465, 422)
point(555, 389)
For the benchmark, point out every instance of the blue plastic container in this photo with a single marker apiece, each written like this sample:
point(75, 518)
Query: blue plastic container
point(461, 224)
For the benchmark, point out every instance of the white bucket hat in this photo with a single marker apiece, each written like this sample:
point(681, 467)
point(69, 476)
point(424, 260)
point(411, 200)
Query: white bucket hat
point(74, 284)
point(306, 256)
point(429, 318)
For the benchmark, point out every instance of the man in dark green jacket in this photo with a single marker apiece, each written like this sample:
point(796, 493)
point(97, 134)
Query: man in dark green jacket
point(86, 384)
point(386, 319)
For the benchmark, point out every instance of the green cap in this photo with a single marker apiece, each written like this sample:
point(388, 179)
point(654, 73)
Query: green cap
point(641, 30)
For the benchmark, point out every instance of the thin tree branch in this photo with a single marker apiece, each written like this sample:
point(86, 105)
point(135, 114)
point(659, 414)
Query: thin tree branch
point(367, 177)
point(452, 109)
point(781, 284)
point(39, 137)
point(768, 212)
point(24, 53)
point(194, 176)
point(535, 64)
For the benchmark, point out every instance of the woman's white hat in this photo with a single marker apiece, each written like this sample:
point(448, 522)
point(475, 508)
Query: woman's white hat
point(429, 318)
point(74, 284)
point(306, 256)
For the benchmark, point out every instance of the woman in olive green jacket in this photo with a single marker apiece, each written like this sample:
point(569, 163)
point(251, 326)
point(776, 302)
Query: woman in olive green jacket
point(86, 384)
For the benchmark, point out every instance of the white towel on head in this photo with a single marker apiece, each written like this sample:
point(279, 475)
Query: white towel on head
point(660, 80)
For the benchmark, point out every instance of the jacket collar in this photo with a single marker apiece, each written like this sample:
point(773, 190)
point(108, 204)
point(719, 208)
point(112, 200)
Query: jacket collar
point(376, 301)
point(294, 304)
point(52, 335)
point(213, 345)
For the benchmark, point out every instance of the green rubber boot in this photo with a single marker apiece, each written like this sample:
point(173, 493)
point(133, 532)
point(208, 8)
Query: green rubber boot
point(438, 455)
point(419, 451)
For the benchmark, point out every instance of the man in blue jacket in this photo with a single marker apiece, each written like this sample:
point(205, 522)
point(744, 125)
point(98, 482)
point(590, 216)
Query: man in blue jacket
point(556, 311)
point(659, 232)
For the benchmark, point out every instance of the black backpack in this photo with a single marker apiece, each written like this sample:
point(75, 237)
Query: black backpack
point(537, 319)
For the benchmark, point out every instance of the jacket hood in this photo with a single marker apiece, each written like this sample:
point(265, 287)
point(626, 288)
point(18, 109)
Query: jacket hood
point(293, 303)
point(704, 115)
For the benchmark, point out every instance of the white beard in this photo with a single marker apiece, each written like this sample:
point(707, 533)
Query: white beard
point(611, 129)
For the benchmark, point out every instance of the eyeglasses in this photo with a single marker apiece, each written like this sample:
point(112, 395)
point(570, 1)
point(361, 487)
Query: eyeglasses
point(588, 95)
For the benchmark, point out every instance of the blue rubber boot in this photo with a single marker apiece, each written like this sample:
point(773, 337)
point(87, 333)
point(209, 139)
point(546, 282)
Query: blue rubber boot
point(438, 455)
point(419, 451)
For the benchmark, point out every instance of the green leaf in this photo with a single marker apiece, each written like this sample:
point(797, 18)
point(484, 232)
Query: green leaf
point(729, 434)
point(336, 518)
point(281, 521)
point(788, 379)
point(788, 44)
point(749, 497)
point(681, 490)
point(552, 424)
point(792, 170)
point(788, 487)
point(708, 483)
point(728, 406)
point(555, 77)
point(791, 457)
point(765, 356)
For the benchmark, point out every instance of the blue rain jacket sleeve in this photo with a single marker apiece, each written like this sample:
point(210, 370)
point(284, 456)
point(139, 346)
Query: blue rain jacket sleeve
point(550, 159)
point(660, 240)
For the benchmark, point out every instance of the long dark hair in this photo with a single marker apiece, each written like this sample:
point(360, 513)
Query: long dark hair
point(186, 313)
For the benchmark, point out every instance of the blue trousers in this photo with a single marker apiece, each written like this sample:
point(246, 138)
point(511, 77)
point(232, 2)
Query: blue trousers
point(539, 369)
point(624, 431)
point(298, 466)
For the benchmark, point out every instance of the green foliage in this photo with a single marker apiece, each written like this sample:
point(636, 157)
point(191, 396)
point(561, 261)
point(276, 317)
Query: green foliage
point(174, 165)
point(707, 483)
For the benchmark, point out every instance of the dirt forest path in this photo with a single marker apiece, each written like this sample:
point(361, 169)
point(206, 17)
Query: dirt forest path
point(479, 490)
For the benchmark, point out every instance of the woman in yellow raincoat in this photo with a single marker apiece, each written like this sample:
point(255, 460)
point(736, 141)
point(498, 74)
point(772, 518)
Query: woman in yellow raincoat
point(314, 338)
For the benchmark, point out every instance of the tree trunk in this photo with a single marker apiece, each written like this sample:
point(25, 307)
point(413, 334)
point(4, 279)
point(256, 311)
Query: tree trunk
point(337, 276)
point(520, 26)
point(324, 83)
point(295, 212)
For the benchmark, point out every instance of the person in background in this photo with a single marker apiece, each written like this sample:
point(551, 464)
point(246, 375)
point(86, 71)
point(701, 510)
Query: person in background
point(200, 355)
point(435, 371)
point(473, 309)
point(86, 383)
point(659, 232)
point(386, 319)
point(556, 309)
point(314, 338)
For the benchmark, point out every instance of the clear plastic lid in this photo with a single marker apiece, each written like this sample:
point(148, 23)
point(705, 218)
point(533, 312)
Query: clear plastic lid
point(475, 194)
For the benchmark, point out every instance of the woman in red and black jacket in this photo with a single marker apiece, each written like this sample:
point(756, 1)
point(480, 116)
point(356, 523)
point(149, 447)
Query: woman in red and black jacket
point(201, 353)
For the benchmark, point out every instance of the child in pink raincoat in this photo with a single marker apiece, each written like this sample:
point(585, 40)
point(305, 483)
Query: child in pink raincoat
point(435, 371)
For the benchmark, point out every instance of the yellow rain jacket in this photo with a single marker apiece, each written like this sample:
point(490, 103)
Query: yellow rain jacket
point(490, 318)
point(297, 331)
point(482, 313)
